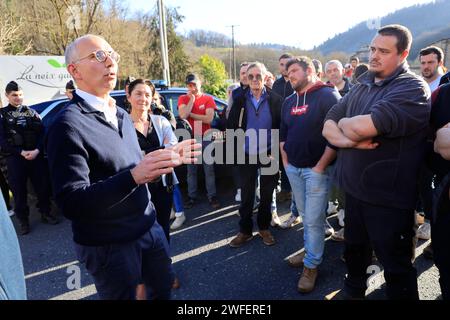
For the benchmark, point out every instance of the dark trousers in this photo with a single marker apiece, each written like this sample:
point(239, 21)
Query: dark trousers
point(441, 252)
point(117, 269)
point(236, 176)
point(440, 225)
point(5, 190)
point(249, 173)
point(425, 191)
point(285, 185)
point(390, 233)
point(162, 199)
point(19, 171)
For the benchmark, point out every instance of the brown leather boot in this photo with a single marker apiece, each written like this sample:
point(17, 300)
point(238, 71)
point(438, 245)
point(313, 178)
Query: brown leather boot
point(240, 240)
point(307, 280)
point(267, 237)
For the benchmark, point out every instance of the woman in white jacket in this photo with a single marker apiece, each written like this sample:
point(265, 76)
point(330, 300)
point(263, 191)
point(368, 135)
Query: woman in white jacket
point(153, 132)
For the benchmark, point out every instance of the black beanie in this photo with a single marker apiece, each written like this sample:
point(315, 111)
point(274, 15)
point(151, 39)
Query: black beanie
point(12, 86)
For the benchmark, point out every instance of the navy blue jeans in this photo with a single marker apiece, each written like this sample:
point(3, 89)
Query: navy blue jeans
point(117, 269)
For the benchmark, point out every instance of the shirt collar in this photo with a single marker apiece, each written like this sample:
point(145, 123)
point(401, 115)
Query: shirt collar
point(263, 94)
point(96, 102)
point(101, 105)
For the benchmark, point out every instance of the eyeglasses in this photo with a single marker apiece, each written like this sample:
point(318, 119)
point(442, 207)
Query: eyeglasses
point(101, 56)
point(251, 77)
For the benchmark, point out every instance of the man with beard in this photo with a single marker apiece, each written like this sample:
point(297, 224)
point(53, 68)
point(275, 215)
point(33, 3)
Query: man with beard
point(431, 64)
point(306, 159)
point(381, 127)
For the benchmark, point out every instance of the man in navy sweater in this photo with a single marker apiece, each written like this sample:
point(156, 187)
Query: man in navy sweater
point(99, 178)
point(380, 127)
point(306, 158)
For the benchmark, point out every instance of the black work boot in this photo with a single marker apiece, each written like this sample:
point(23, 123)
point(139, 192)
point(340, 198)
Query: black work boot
point(49, 219)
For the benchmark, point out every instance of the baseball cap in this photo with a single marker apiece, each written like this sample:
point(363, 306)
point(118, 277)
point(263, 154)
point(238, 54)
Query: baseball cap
point(192, 78)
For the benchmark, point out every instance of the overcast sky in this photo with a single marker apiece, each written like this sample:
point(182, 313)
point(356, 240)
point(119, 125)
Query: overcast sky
point(296, 23)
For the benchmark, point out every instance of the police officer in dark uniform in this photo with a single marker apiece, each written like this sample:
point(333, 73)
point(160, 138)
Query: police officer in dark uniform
point(21, 135)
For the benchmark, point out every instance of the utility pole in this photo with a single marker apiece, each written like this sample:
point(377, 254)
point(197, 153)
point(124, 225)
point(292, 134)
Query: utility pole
point(164, 46)
point(234, 50)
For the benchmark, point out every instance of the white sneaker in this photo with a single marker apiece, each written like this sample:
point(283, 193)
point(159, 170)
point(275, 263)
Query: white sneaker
point(11, 212)
point(178, 222)
point(332, 208)
point(172, 214)
point(275, 219)
point(424, 231)
point(328, 229)
point(237, 198)
point(341, 216)
point(291, 222)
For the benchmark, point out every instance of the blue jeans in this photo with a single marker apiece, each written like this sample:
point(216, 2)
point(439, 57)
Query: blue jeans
point(311, 195)
point(294, 209)
point(177, 199)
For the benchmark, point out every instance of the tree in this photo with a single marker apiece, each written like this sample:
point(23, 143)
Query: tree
point(214, 76)
point(11, 29)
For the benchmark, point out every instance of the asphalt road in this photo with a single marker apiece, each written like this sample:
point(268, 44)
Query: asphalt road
point(207, 267)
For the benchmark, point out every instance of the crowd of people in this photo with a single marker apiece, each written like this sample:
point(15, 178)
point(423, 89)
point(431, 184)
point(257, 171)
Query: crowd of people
point(370, 144)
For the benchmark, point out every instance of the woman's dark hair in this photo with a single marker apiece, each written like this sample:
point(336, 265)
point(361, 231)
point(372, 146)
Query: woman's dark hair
point(136, 82)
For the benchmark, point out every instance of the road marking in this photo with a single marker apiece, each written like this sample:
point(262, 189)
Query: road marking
point(77, 294)
point(40, 273)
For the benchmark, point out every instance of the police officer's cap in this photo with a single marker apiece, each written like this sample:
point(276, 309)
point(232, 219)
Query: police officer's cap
point(12, 86)
point(70, 85)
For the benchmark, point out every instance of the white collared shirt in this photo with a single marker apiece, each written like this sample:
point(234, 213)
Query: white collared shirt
point(101, 105)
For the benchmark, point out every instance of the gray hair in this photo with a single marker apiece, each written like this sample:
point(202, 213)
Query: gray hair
point(259, 65)
point(71, 54)
point(336, 62)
